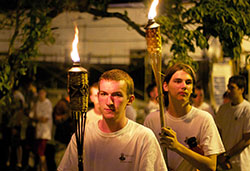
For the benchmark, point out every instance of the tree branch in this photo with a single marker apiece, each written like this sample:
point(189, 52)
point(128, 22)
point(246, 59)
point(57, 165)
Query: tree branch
point(123, 17)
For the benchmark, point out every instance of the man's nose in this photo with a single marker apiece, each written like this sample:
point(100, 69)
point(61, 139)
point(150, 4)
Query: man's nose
point(183, 85)
point(110, 99)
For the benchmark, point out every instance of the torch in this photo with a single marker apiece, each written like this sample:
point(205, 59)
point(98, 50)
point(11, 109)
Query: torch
point(78, 93)
point(153, 37)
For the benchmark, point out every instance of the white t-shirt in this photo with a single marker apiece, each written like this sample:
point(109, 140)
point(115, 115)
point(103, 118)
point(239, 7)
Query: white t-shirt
point(197, 123)
point(151, 107)
point(206, 107)
point(92, 116)
point(133, 148)
point(131, 113)
point(234, 121)
point(44, 129)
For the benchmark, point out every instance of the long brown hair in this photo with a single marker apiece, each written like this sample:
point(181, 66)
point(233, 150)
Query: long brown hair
point(170, 72)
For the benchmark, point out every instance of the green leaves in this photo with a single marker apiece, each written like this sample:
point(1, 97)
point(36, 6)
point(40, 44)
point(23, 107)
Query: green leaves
point(31, 27)
point(190, 25)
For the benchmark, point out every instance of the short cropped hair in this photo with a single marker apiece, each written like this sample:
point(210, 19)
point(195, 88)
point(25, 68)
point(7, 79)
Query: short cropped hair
point(239, 80)
point(225, 95)
point(150, 87)
point(173, 69)
point(94, 85)
point(199, 86)
point(118, 75)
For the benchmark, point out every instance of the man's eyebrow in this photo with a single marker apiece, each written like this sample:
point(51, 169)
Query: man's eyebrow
point(117, 92)
point(183, 79)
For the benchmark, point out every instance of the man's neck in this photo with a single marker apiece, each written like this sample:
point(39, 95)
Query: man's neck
point(154, 101)
point(97, 111)
point(179, 110)
point(237, 101)
point(42, 100)
point(109, 125)
point(197, 105)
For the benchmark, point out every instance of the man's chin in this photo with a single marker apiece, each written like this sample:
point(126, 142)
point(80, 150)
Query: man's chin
point(109, 116)
point(183, 98)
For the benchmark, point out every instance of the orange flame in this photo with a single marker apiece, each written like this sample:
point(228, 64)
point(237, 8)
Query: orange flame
point(152, 11)
point(74, 53)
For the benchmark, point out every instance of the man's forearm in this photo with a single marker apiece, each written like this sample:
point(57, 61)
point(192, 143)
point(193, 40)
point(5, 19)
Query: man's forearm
point(199, 161)
point(238, 148)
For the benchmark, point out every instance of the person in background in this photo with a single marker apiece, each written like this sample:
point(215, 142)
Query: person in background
point(64, 128)
point(42, 114)
point(131, 113)
point(94, 114)
point(31, 97)
point(18, 124)
point(226, 98)
point(152, 93)
point(199, 102)
point(233, 121)
point(115, 142)
point(185, 124)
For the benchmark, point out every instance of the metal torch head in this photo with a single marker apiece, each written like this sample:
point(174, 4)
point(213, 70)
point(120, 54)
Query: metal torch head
point(153, 37)
point(78, 88)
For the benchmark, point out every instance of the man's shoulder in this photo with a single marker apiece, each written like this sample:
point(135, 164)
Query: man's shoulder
point(48, 101)
point(92, 126)
point(135, 125)
point(199, 112)
point(91, 111)
point(153, 115)
point(246, 104)
point(246, 108)
point(205, 104)
point(199, 115)
point(224, 106)
point(140, 129)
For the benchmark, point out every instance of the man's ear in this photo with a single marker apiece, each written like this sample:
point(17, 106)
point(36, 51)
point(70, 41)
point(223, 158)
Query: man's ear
point(131, 99)
point(165, 86)
point(242, 90)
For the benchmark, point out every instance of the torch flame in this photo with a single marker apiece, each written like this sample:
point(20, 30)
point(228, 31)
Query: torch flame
point(152, 11)
point(74, 53)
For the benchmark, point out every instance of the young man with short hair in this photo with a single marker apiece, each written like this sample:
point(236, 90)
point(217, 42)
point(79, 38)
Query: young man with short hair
point(115, 142)
point(199, 102)
point(233, 121)
point(95, 113)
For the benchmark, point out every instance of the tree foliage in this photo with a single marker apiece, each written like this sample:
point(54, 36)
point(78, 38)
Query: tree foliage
point(190, 24)
point(29, 26)
point(226, 19)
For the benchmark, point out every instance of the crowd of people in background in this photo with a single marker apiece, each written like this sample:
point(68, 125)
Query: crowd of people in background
point(27, 129)
point(35, 135)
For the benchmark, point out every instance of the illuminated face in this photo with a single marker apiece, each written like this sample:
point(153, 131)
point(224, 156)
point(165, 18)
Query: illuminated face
point(234, 91)
point(199, 98)
point(179, 87)
point(154, 93)
point(94, 95)
point(113, 99)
